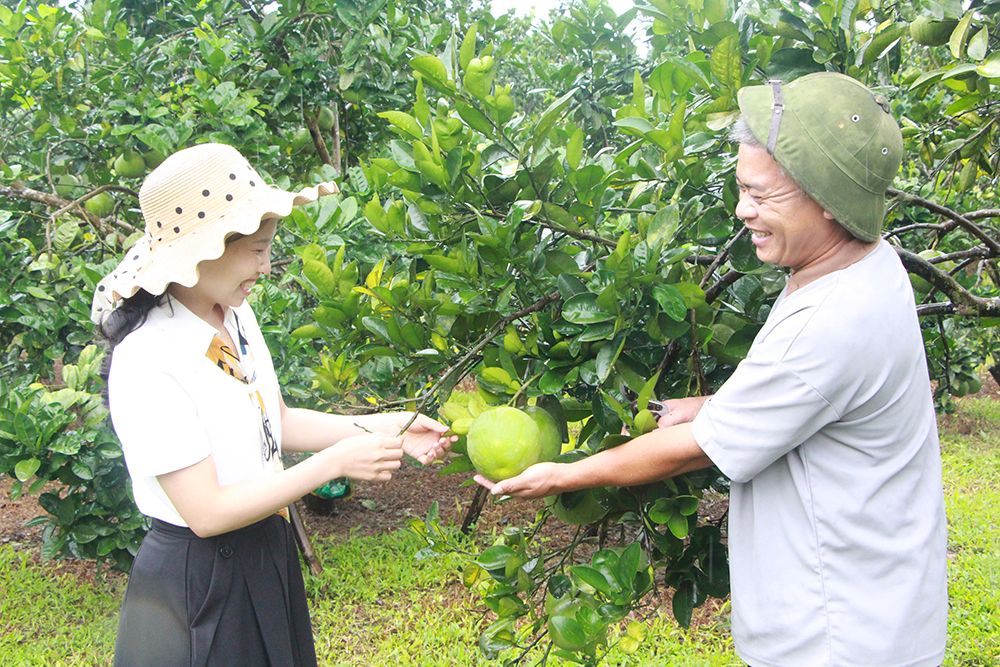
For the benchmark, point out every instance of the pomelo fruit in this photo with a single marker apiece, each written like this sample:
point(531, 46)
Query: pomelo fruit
point(551, 438)
point(67, 185)
point(502, 442)
point(301, 139)
point(325, 119)
point(130, 164)
point(576, 507)
point(153, 158)
point(101, 204)
point(928, 32)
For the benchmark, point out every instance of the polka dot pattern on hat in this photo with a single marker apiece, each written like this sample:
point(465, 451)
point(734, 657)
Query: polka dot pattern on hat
point(200, 191)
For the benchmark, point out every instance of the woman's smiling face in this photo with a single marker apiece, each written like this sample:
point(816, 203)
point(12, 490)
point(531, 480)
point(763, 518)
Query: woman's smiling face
point(788, 227)
point(227, 281)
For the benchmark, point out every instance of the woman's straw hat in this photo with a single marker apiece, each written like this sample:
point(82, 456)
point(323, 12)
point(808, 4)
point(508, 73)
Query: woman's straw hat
point(191, 203)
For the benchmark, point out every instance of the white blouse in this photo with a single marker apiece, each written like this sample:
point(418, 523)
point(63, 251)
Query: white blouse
point(172, 407)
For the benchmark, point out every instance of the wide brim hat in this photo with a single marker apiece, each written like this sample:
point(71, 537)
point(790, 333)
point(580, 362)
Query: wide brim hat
point(835, 138)
point(191, 204)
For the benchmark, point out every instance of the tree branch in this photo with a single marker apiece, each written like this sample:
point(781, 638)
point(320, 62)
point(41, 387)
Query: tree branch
point(963, 302)
point(103, 225)
point(958, 218)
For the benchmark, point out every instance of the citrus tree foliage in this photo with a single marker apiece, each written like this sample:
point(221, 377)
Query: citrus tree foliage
point(569, 273)
point(91, 98)
point(542, 209)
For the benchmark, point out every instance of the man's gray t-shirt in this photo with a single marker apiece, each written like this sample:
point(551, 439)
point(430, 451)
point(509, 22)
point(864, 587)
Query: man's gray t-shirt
point(837, 532)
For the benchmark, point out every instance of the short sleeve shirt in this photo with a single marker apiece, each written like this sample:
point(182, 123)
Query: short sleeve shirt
point(827, 429)
point(172, 407)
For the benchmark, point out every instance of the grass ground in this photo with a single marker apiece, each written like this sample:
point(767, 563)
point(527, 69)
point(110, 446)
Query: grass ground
point(375, 605)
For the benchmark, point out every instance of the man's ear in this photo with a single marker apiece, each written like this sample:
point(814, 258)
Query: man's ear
point(828, 215)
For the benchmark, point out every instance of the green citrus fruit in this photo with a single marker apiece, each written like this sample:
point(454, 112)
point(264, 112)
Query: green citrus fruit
point(153, 158)
point(577, 507)
point(928, 32)
point(325, 119)
point(502, 442)
point(67, 186)
point(551, 438)
point(101, 204)
point(301, 139)
point(130, 164)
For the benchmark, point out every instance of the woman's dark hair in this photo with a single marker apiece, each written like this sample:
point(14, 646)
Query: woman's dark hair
point(128, 316)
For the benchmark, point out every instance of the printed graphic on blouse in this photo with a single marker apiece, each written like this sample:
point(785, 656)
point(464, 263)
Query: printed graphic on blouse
point(228, 362)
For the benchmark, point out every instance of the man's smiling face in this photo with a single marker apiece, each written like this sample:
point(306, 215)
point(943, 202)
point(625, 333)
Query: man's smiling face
point(788, 227)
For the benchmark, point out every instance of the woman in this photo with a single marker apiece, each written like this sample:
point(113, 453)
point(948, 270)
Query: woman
point(196, 404)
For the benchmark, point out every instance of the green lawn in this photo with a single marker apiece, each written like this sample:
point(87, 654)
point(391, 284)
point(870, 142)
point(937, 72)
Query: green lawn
point(375, 605)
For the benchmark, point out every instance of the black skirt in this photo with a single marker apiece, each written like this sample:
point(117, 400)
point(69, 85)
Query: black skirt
point(233, 600)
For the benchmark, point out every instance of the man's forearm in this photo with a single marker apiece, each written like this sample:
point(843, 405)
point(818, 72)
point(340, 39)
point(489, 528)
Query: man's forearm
point(657, 455)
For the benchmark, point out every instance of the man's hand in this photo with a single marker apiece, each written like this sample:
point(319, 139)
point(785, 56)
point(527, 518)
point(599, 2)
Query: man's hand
point(682, 410)
point(537, 481)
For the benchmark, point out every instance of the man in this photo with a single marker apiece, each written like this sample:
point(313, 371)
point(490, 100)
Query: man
point(827, 430)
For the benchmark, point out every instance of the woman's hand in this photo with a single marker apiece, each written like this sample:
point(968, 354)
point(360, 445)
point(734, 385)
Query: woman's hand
point(424, 440)
point(536, 481)
point(370, 456)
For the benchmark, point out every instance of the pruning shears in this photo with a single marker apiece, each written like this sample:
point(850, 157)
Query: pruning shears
point(657, 408)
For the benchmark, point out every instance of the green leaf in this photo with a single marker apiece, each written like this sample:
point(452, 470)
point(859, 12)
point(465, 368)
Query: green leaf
point(570, 630)
point(990, 68)
point(960, 36)
point(671, 301)
point(629, 563)
point(662, 227)
point(678, 525)
point(607, 356)
point(592, 577)
point(495, 558)
point(661, 80)
point(574, 149)
point(725, 62)
point(432, 68)
point(468, 50)
point(634, 125)
point(26, 468)
point(64, 235)
point(883, 42)
point(474, 118)
point(979, 44)
point(320, 275)
point(646, 393)
point(558, 263)
point(583, 309)
point(550, 116)
point(683, 603)
point(688, 505)
point(403, 123)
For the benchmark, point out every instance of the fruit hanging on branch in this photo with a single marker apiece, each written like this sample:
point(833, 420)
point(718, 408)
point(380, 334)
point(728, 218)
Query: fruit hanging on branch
point(130, 164)
point(503, 442)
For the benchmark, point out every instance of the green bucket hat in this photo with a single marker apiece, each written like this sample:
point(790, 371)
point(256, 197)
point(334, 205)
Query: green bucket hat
point(835, 137)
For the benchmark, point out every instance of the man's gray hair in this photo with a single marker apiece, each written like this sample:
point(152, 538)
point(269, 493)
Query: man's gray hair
point(740, 133)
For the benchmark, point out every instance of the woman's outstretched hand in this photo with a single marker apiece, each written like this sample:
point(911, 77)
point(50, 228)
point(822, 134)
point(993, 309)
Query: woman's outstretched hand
point(371, 456)
point(425, 439)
